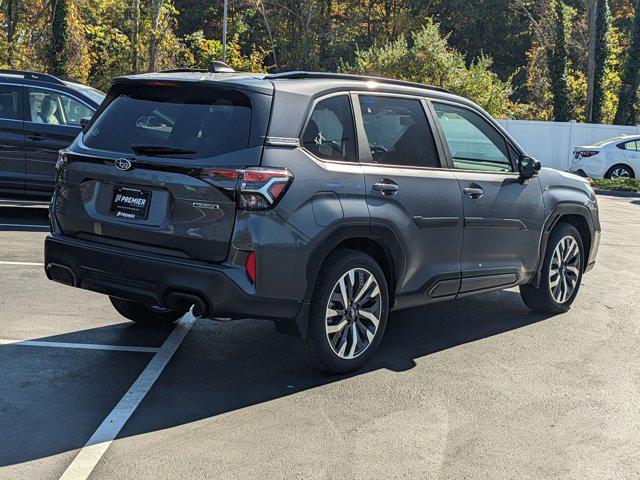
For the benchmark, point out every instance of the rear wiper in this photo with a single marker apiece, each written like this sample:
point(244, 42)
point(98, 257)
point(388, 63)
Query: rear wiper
point(160, 150)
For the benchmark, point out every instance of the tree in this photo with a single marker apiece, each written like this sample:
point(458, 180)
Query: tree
point(628, 96)
point(59, 38)
point(603, 22)
point(591, 6)
point(557, 65)
point(431, 60)
point(135, 26)
point(156, 11)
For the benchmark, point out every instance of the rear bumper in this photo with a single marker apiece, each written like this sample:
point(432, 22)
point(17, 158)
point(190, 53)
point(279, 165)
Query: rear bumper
point(224, 291)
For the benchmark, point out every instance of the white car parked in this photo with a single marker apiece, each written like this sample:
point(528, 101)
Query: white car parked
point(617, 157)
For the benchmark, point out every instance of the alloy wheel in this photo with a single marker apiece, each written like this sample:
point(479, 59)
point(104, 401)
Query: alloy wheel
point(620, 172)
point(564, 270)
point(353, 313)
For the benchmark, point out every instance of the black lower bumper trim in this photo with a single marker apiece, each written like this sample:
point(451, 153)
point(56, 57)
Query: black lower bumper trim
point(155, 279)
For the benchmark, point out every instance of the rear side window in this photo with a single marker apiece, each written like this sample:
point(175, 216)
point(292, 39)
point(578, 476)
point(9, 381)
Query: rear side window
point(329, 134)
point(398, 132)
point(633, 145)
point(9, 102)
point(198, 121)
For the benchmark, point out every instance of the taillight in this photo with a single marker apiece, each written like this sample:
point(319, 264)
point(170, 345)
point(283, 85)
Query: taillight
point(250, 265)
point(255, 188)
point(588, 153)
point(262, 188)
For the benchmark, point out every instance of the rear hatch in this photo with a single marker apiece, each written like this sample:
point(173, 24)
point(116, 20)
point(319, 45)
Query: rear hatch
point(154, 169)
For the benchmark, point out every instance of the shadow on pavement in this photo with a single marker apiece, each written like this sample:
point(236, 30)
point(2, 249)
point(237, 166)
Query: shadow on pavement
point(51, 400)
point(21, 219)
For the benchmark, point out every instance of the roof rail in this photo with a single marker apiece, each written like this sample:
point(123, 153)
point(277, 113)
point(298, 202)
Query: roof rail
point(42, 77)
point(348, 76)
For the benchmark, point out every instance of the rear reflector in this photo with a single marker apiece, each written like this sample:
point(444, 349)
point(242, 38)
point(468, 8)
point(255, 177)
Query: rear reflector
point(251, 267)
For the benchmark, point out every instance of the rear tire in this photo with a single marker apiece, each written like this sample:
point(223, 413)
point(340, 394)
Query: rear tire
point(145, 314)
point(561, 272)
point(620, 171)
point(340, 337)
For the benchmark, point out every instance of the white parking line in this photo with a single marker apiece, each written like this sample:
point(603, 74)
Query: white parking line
point(30, 264)
point(24, 225)
point(89, 455)
point(82, 346)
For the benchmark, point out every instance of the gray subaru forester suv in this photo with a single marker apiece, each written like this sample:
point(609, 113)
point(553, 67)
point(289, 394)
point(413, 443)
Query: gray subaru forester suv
point(319, 201)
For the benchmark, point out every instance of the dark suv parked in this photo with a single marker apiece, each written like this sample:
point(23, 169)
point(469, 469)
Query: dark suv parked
point(319, 201)
point(39, 115)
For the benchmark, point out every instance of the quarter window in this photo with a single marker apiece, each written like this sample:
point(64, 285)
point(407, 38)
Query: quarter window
point(55, 108)
point(474, 144)
point(398, 132)
point(9, 102)
point(330, 133)
point(633, 145)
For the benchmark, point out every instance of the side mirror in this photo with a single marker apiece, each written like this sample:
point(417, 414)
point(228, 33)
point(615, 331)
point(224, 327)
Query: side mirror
point(84, 121)
point(528, 167)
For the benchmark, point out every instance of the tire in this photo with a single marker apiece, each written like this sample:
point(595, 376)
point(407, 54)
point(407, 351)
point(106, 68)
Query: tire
point(618, 171)
point(549, 296)
point(329, 348)
point(145, 314)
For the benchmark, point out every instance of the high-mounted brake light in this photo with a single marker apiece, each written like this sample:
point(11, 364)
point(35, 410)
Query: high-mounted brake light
point(160, 83)
point(262, 188)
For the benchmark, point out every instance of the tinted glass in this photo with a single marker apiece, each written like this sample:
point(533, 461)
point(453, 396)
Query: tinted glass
point(398, 132)
point(203, 120)
point(9, 102)
point(474, 144)
point(330, 133)
point(55, 108)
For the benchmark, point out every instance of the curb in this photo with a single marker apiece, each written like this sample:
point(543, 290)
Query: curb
point(615, 193)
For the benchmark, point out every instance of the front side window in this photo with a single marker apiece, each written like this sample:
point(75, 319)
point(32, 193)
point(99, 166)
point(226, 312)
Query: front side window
point(398, 131)
point(9, 102)
point(180, 120)
point(474, 144)
point(329, 134)
point(55, 108)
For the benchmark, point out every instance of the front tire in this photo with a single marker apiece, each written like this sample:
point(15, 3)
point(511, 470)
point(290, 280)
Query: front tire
point(348, 313)
point(145, 314)
point(561, 272)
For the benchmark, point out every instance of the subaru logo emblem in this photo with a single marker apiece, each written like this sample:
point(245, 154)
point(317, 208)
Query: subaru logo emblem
point(122, 164)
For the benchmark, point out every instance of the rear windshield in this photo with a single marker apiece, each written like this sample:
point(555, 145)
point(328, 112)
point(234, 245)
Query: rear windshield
point(195, 121)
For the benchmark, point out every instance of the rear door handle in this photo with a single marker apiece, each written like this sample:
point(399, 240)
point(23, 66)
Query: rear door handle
point(36, 137)
point(473, 192)
point(386, 187)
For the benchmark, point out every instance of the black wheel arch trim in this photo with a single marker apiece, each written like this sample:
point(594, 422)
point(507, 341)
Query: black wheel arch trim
point(560, 210)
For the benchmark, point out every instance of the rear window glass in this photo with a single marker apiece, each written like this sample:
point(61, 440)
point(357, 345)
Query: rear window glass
point(201, 122)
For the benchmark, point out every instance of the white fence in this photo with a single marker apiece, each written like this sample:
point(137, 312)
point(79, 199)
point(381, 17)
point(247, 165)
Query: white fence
point(552, 142)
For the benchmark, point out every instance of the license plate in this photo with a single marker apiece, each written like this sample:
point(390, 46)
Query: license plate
point(132, 203)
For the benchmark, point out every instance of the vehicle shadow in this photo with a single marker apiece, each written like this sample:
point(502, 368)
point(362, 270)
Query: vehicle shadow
point(219, 368)
point(22, 219)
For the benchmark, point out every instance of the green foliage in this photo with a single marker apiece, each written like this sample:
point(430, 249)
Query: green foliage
point(603, 23)
point(628, 97)
point(59, 35)
point(431, 60)
point(617, 184)
point(557, 65)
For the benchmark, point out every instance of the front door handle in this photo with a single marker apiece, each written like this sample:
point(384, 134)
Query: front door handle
point(36, 137)
point(386, 187)
point(473, 192)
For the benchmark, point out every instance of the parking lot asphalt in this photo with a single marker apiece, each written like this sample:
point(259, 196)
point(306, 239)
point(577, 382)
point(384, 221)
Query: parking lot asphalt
point(478, 388)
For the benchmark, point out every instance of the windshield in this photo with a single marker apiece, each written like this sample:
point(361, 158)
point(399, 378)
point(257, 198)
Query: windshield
point(177, 120)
